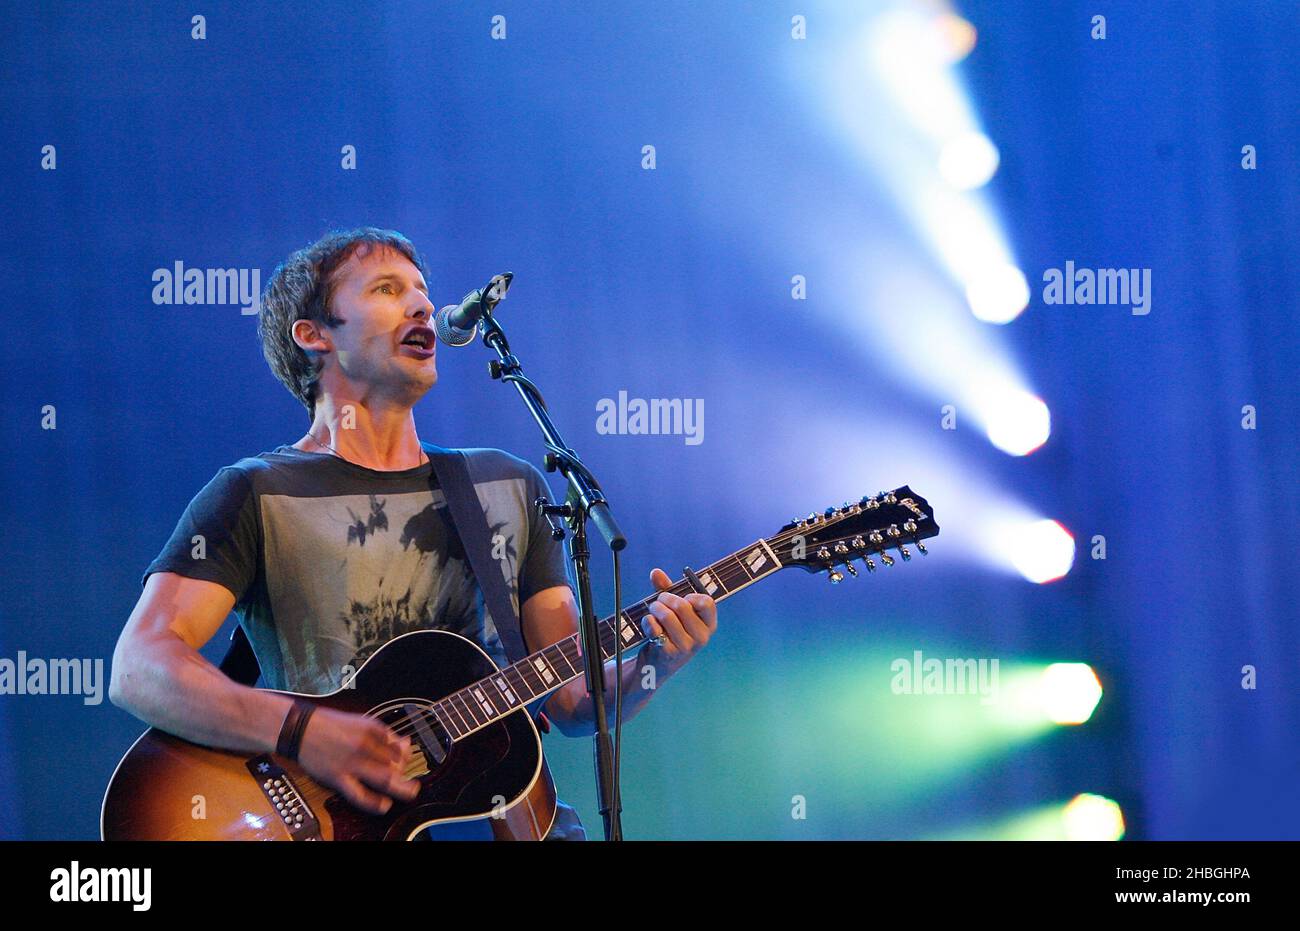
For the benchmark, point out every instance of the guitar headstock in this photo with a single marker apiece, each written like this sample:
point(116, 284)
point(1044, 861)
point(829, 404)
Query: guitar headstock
point(891, 520)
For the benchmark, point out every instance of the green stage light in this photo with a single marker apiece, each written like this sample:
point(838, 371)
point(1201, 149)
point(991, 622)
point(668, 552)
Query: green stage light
point(1085, 817)
point(1093, 817)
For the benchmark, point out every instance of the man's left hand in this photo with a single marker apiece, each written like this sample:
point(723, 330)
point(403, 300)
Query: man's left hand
point(685, 623)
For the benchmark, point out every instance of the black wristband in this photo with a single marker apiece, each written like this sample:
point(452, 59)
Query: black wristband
point(295, 722)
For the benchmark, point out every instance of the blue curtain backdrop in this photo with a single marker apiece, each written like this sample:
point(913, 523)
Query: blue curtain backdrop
point(527, 154)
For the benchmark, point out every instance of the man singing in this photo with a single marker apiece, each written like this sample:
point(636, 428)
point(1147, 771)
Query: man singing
point(330, 547)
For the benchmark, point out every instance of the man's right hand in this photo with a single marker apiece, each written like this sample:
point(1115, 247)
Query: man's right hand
point(360, 757)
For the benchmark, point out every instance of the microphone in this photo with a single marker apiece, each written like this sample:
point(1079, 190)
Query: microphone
point(456, 324)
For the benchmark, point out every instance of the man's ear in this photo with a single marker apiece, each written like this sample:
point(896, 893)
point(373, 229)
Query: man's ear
point(310, 337)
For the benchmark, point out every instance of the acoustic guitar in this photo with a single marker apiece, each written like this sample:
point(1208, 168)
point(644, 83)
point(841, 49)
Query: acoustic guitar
point(477, 753)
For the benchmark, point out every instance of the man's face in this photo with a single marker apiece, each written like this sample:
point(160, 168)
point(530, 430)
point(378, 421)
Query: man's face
point(384, 304)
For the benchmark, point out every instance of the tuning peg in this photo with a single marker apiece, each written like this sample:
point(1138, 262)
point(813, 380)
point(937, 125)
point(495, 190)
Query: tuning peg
point(921, 547)
point(841, 549)
point(869, 563)
point(852, 571)
point(887, 559)
point(836, 577)
point(902, 551)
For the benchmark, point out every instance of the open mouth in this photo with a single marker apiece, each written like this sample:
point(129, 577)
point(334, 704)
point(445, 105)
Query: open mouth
point(420, 338)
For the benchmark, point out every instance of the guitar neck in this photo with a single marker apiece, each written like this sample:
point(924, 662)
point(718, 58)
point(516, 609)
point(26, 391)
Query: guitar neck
point(532, 677)
point(819, 542)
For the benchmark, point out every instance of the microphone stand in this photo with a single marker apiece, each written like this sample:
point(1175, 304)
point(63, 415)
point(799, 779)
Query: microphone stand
point(585, 501)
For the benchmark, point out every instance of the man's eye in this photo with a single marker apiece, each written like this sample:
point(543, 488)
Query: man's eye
point(382, 286)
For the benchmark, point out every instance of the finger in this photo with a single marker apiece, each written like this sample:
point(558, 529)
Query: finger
point(659, 579)
point(385, 780)
point(653, 629)
point(383, 745)
point(363, 798)
point(408, 752)
point(685, 612)
point(671, 624)
point(400, 785)
point(706, 608)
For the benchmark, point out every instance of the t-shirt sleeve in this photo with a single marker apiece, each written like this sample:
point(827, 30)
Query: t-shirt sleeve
point(216, 537)
point(545, 562)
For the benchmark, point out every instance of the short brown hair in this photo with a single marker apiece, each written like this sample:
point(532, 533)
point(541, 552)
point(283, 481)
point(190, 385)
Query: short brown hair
point(301, 288)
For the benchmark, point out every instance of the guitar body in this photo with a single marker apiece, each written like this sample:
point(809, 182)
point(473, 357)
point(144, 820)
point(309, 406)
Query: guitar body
point(166, 788)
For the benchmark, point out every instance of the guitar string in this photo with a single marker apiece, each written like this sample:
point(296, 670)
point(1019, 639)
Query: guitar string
point(429, 712)
point(406, 724)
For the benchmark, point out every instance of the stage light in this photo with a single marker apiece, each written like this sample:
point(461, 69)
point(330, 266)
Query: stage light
point(1093, 817)
point(997, 294)
point(957, 34)
point(910, 56)
point(1069, 692)
point(1046, 695)
point(1085, 817)
point(1018, 422)
point(968, 161)
point(1042, 551)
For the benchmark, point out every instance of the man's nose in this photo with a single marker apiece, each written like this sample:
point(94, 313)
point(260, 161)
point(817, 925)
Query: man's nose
point(423, 308)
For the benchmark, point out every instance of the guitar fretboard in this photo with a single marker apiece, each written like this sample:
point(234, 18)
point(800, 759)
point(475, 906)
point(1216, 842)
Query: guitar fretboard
point(477, 705)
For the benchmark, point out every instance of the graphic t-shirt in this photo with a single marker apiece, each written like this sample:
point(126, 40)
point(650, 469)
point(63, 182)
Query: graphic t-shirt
point(329, 560)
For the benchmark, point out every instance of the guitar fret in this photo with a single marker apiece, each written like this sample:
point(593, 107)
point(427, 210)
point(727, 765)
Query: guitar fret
point(713, 583)
point(466, 710)
point(440, 713)
point(506, 690)
point(486, 700)
point(543, 669)
point(450, 704)
point(529, 681)
point(523, 688)
point(572, 668)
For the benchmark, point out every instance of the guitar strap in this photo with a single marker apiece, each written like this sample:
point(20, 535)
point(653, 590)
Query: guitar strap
point(452, 472)
point(451, 469)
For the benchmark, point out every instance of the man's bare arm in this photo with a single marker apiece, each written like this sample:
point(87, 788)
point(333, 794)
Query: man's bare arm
point(160, 677)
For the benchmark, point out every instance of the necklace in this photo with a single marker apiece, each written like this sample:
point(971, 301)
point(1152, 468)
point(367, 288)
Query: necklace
point(423, 457)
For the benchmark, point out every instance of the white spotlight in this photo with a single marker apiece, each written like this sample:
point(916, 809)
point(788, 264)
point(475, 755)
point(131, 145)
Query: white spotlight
point(1018, 423)
point(1069, 692)
point(1093, 817)
point(968, 161)
point(998, 294)
point(1042, 551)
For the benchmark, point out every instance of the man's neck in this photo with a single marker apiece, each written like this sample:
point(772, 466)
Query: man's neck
point(383, 439)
